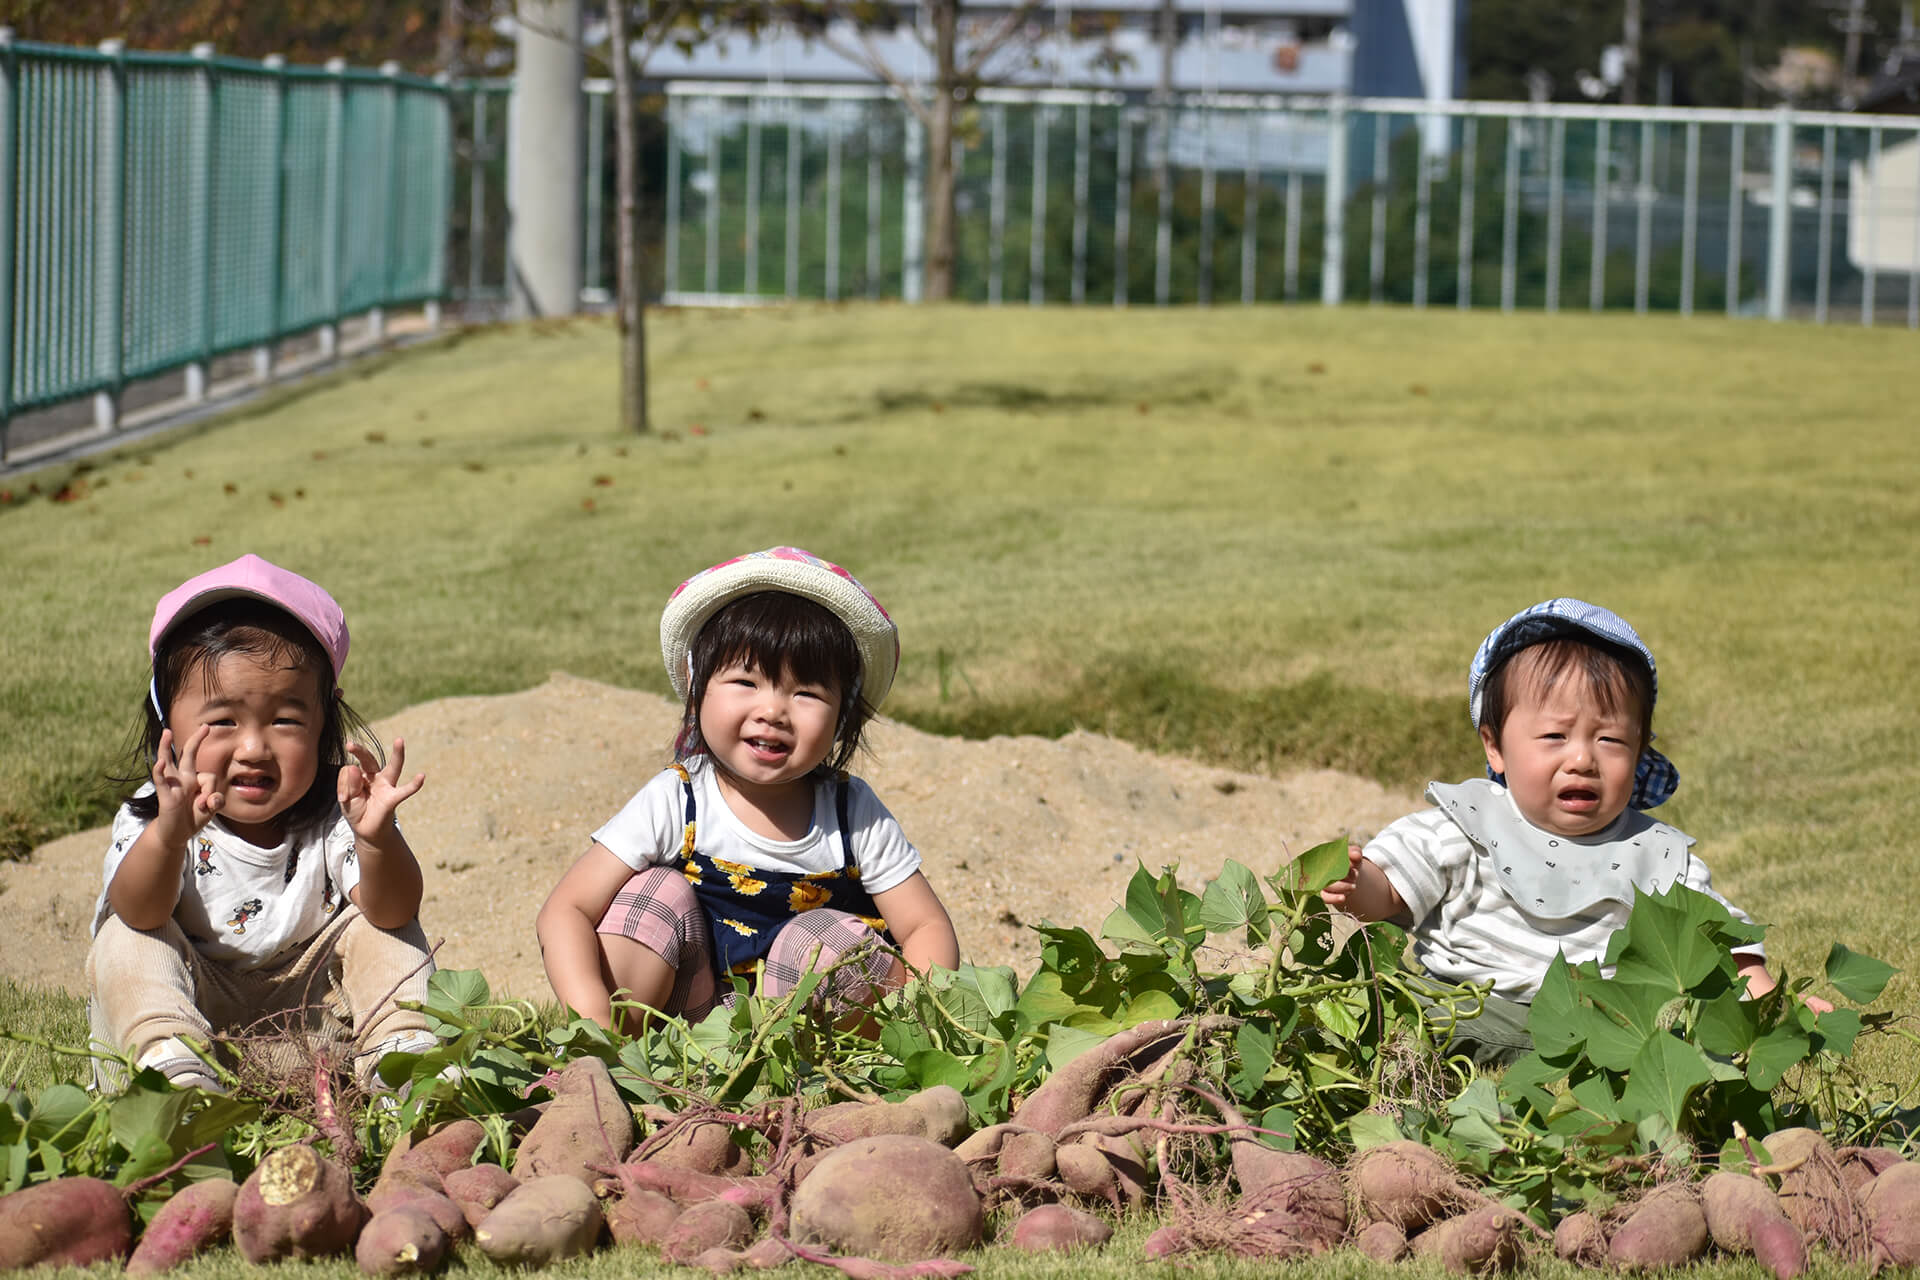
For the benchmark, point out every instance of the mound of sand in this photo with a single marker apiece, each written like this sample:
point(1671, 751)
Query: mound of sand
point(1015, 831)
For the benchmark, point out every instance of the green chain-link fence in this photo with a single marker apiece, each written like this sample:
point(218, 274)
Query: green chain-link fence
point(158, 210)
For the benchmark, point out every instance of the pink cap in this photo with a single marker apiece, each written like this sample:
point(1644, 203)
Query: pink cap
point(250, 576)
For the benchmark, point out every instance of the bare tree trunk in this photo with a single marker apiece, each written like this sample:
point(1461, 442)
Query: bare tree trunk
point(940, 183)
point(631, 304)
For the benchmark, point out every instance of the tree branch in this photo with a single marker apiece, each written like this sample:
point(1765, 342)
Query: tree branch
point(1002, 32)
point(868, 59)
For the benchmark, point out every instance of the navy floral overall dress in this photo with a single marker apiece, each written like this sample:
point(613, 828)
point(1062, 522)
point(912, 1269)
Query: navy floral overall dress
point(746, 906)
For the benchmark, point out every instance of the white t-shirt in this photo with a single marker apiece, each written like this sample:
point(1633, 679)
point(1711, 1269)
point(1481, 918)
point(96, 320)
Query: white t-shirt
point(241, 905)
point(1467, 928)
point(649, 831)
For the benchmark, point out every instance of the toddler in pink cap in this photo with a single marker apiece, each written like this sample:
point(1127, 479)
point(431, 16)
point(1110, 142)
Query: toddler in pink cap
point(256, 872)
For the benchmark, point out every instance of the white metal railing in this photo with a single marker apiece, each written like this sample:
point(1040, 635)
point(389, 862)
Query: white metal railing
point(1466, 204)
point(774, 191)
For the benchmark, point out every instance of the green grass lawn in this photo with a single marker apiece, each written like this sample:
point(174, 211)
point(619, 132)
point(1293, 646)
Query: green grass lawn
point(1268, 537)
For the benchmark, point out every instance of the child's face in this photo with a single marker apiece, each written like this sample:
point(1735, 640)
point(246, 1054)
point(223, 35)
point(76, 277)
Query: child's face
point(767, 731)
point(263, 741)
point(1569, 764)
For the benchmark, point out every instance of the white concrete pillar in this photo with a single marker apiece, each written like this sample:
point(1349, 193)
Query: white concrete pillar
point(544, 181)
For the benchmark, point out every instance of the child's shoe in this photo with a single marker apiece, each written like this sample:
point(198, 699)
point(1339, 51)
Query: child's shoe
point(183, 1068)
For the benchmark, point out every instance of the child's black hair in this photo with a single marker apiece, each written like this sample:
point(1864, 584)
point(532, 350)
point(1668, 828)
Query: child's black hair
point(275, 638)
point(1618, 679)
point(784, 636)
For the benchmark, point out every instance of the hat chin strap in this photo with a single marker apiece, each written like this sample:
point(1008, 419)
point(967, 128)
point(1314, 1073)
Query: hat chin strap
point(153, 696)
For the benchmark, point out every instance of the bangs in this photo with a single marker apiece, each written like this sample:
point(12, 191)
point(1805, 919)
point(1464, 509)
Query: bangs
point(1615, 678)
point(784, 636)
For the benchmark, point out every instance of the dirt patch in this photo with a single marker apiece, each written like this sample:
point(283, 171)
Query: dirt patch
point(1015, 831)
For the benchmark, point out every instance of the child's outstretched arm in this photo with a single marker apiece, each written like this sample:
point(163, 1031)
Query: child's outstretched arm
point(920, 924)
point(388, 894)
point(568, 926)
point(1759, 982)
point(146, 886)
point(1365, 893)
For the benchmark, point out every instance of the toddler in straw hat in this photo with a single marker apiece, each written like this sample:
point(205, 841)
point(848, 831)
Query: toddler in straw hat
point(257, 871)
point(1543, 856)
point(755, 851)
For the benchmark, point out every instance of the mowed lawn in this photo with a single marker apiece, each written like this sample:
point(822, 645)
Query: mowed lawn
point(1266, 536)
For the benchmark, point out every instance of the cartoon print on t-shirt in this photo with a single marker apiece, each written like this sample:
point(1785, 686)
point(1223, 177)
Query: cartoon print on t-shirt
point(245, 912)
point(203, 860)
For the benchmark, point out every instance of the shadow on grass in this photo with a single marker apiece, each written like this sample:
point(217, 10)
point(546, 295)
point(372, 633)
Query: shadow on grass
point(1317, 723)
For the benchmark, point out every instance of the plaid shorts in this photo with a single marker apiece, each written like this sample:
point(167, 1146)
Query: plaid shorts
point(657, 908)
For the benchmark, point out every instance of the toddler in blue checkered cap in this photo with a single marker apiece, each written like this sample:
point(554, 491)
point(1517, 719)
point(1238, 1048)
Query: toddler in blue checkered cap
point(1543, 855)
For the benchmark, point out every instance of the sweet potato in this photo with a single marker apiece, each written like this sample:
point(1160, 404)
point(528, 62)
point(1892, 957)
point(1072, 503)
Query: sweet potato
point(1580, 1239)
point(1069, 1094)
point(403, 1241)
point(1029, 1156)
point(892, 1196)
point(1665, 1228)
point(1303, 1188)
point(543, 1221)
point(587, 1125)
point(1734, 1204)
point(1476, 1242)
point(1056, 1228)
point(1861, 1165)
point(1408, 1185)
point(1815, 1197)
point(1127, 1158)
point(984, 1144)
point(702, 1146)
point(1893, 1207)
point(713, 1225)
point(640, 1217)
point(478, 1188)
point(1744, 1216)
point(68, 1220)
point(939, 1113)
point(1779, 1246)
point(1086, 1173)
point(448, 1148)
point(1383, 1242)
point(296, 1205)
point(452, 1219)
point(1166, 1243)
point(198, 1216)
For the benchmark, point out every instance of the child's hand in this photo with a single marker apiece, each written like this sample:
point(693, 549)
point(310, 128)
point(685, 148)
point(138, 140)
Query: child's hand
point(369, 794)
point(188, 799)
point(1336, 894)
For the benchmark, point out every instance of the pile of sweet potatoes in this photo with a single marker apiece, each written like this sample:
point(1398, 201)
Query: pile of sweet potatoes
point(893, 1190)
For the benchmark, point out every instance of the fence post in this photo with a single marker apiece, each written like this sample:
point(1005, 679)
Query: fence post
point(913, 211)
point(444, 207)
point(333, 223)
point(201, 221)
point(1333, 235)
point(1780, 216)
point(9, 112)
point(390, 96)
point(276, 199)
point(110, 216)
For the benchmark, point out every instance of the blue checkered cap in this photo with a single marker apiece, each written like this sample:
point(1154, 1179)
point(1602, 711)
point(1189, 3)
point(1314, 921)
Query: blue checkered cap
point(1655, 779)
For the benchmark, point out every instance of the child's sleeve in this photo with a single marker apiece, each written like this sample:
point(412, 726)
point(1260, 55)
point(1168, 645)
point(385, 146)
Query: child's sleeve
point(338, 848)
point(880, 848)
point(648, 830)
point(126, 829)
point(1424, 856)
